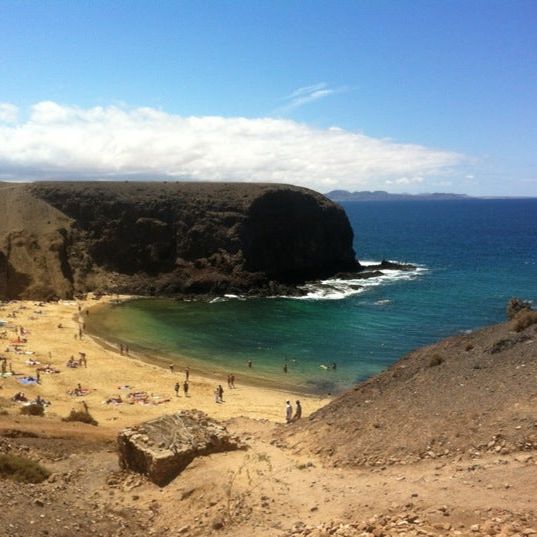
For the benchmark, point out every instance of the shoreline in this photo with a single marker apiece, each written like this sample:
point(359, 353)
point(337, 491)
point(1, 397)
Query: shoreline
point(109, 373)
point(210, 372)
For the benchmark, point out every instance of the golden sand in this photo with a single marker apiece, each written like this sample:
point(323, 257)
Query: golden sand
point(109, 374)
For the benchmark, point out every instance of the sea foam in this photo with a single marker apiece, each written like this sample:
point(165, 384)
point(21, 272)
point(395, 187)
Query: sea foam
point(339, 288)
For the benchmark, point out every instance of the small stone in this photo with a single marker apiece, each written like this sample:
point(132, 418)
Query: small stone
point(217, 523)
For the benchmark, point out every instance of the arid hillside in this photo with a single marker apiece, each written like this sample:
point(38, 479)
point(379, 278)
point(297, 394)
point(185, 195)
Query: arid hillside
point(465, 396)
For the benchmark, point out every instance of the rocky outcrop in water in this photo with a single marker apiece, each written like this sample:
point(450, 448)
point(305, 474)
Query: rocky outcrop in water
point(162, 448)
point(59, 239)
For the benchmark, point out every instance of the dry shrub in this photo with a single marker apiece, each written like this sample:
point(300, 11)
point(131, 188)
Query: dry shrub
point(524, 319)
point(515, 306)
point(82, 416)
point(435, 360)
point(33, 409)
point(21, 469)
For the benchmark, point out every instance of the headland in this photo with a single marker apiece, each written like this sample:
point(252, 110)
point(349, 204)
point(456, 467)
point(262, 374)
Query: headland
point(62, 239)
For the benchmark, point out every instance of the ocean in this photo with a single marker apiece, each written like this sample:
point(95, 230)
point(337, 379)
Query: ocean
point(471, 257)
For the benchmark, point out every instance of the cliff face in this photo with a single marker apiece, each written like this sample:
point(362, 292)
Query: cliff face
point(59, 239)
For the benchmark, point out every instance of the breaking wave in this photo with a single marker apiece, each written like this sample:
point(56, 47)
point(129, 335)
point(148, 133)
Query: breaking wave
point(339, 288)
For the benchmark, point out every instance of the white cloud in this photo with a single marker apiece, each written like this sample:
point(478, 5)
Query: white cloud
point(308, 94)
point(406, 180)
point(8, 113)
point(58, 141)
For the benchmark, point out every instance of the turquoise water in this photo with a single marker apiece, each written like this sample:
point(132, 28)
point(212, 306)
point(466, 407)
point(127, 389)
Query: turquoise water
point(473, 256)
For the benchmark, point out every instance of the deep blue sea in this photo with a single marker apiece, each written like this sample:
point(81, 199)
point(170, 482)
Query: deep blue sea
point(473, 255)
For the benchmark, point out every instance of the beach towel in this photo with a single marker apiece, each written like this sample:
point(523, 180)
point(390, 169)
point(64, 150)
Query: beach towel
point(27, 380)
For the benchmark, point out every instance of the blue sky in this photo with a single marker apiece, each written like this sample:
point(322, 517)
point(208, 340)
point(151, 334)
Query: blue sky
point(396, 95)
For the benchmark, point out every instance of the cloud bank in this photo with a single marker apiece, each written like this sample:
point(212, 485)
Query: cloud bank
point(59, 141)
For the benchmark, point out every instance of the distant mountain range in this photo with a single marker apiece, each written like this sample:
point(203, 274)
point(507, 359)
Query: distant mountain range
point(381, 195)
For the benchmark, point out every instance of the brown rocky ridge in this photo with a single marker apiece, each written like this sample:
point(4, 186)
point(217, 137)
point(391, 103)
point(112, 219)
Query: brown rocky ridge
point(60, 239)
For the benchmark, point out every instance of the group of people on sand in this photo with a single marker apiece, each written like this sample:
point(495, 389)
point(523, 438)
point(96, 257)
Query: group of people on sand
point(186, 382)
point(289, 416)
point(21, 397)
point(177, 388)
point(81, 362)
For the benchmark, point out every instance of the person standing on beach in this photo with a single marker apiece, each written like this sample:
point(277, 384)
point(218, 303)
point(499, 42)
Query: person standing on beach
point(172, 367)
point(288, 412)
point(220, 393)
point(250, 364)
point(232, 381)
point(185, 388)
point(298, 411)
point(187, 373)
point(177, 387)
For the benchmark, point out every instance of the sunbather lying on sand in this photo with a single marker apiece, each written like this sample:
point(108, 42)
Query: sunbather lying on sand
point(79, 391)
point(72, 362)
point(114, 400)
point(47, 369)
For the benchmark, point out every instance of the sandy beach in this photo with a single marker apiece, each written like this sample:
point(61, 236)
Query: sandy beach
point(51, 336)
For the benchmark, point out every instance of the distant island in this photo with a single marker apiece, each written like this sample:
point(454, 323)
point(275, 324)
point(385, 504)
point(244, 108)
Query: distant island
point(381, 195)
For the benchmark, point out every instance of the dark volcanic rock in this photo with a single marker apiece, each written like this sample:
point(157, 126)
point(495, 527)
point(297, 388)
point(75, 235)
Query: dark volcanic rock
point(65, 238)
point(162, 448)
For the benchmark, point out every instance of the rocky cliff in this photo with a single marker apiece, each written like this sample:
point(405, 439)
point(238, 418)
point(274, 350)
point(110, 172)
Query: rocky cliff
point(58, 239)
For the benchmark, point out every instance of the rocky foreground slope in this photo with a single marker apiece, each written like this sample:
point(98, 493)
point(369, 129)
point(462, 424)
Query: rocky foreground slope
point(58, 239)
point(441, 444)
point(467, 395)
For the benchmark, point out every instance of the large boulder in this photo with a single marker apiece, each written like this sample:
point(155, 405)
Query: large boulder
point(162, 448)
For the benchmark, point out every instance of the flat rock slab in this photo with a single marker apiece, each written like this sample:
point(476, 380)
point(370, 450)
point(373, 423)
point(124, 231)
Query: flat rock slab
point(162, 448)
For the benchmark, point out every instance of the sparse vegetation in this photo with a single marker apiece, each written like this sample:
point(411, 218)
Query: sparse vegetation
point(82, 416)
point(256, 469)
point(33, 409)
point(21, 469)
point(515, 306)
point(524, 319)
point(468, 347)
point(436, 360)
